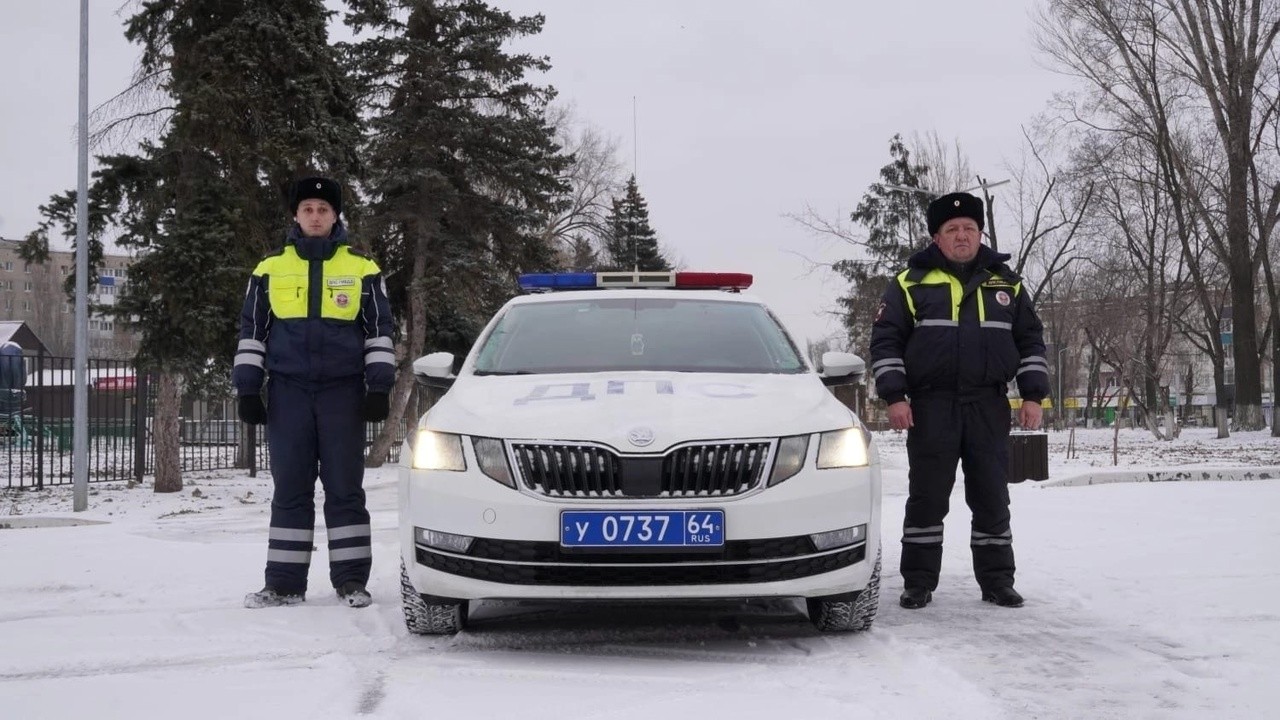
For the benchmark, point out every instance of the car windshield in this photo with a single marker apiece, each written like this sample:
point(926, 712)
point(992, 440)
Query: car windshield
point(609, 334)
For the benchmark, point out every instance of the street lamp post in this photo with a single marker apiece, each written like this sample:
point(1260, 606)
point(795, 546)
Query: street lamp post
point(80, 394)
point(1062, 402)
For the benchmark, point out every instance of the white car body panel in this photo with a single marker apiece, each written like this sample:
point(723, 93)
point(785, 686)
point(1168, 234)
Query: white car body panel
point(604, 409)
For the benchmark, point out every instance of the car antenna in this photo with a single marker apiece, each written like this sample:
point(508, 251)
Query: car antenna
point(635, 173)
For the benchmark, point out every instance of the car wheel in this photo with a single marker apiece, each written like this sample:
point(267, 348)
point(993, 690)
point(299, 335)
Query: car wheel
point(427, 618)
point(845, 613)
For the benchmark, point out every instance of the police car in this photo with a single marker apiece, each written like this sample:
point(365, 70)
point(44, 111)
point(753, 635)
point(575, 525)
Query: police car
point(638, 436)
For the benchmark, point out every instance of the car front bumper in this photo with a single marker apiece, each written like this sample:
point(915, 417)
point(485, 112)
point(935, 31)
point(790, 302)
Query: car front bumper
point(516, 553)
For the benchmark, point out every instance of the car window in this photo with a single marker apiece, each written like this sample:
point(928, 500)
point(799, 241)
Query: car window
point(602, 334)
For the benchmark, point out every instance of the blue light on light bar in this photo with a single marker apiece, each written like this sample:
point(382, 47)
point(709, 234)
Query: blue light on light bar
point(556, 281)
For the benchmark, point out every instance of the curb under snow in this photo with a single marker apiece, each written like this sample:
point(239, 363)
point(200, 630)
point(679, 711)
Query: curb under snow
point(1198, 474)
point(16, 522)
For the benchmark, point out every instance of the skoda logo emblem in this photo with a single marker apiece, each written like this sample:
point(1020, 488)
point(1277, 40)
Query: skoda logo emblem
point(640, 436)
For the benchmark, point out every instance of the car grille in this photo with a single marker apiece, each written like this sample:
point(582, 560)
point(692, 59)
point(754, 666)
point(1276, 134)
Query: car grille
point(632, 575)
point(708, 470)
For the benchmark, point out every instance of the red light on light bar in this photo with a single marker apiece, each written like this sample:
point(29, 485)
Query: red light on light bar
point(727, 281)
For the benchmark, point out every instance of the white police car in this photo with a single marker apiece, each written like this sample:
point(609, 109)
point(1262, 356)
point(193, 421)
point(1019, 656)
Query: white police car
point(656, 436)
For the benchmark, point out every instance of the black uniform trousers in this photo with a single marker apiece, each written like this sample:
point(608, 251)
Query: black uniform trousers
point(974, 431)
point(317, 431)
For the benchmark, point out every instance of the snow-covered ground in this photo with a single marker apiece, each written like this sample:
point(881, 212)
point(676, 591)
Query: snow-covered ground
point(1144, 600)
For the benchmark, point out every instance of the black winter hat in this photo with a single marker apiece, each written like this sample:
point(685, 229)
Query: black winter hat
point(320, 188)
point(954, 205)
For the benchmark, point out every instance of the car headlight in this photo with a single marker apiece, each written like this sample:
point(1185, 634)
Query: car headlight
point(843, 448)
point(791, 454)
point(438, 451)
point(491, 456)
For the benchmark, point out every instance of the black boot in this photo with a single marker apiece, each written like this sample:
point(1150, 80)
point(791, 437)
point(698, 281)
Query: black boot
point(354, 594)
point(914, 598)
point(271, 597)
point(1003, 596)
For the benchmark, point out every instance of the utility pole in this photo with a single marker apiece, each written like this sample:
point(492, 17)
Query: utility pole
point(991, 213)
point(80, 400)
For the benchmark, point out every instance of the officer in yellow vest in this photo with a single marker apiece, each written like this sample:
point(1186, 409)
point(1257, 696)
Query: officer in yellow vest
point(316, 326)
point(953, 330)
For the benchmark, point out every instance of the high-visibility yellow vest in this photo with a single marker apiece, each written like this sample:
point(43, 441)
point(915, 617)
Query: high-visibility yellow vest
point(289, 284)
point(937, 277)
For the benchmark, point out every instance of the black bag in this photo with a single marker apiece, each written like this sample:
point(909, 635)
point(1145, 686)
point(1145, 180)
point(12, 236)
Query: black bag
point(1028, 456)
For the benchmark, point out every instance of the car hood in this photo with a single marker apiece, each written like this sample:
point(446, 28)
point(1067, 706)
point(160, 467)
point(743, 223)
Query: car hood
point(618, 409)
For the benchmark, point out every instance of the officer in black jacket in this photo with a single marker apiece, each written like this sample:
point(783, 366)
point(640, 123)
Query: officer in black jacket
point(952, 330)
point(316, 324)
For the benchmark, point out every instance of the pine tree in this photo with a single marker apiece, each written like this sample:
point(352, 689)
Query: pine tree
point(256, 96)
point(462, 165)
point(632, 243)
point(895, 226)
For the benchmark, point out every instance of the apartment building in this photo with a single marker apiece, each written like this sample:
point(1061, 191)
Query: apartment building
point(35, 294)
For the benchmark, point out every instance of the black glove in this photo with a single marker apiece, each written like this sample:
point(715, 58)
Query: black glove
point(376, 406)
point(252, 410)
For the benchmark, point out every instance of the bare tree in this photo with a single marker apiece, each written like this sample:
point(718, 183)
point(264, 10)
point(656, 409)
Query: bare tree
point(1264, 192)
point(1050, 203)
point(948, 167)
point(1169, 71)
point(1134, 203)
point(592, 179)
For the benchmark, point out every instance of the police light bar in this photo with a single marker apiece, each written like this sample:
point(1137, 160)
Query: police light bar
point(546, 282)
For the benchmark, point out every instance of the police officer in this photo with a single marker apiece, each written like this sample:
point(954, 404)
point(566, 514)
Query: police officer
point(316, 323)
point(952, 330)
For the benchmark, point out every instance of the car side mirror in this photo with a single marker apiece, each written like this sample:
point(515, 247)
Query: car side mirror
point(434, 370)
point(841, 368)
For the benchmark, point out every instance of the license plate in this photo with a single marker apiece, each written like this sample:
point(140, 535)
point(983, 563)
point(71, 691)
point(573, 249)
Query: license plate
point(642, 528)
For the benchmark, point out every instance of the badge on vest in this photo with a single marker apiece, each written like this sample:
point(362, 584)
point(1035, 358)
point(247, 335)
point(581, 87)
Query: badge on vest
point(1003, 298)
point(346, 281)
point(342, 300)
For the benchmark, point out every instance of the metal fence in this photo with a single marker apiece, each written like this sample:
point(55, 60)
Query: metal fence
point(36, 427)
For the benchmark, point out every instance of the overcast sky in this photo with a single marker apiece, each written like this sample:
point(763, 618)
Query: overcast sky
point(747, 110)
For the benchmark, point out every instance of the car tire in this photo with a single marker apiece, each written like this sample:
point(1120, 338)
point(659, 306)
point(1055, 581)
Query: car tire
point(843, 613)
point(427, 618)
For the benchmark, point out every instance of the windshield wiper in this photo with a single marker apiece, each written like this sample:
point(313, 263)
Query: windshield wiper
point(505, 372)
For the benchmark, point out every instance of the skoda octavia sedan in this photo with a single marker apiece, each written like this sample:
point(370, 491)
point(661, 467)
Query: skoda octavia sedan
point(631, 436)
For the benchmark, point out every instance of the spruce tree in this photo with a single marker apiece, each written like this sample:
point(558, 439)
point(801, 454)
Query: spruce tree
point(632, 243)
point(255, 97)
point(582, 255)
point(462, 165)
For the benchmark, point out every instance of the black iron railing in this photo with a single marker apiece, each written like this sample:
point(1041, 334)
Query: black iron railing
point(37, 427)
